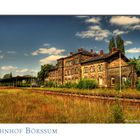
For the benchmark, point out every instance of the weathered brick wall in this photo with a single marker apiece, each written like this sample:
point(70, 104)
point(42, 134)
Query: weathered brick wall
point(95, 74)
point(116, 63)
point(53, 76)
point(72, 72)
point(126, 71)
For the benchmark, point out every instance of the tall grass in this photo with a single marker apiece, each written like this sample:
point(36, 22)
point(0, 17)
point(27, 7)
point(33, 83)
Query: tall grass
point(23, 106)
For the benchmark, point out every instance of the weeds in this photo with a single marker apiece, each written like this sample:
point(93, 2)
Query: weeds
point(24, 106)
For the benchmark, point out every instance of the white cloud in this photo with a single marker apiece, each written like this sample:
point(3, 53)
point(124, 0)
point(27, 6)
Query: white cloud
point(1, 56)
point(8, 68)
point(119, 32)
point(93, 20)
point(0, 51)
point(11, 52)
point(51, 59)
point(49, 51)
point(25, 54)
point(82, 16)
point(134, 27)
point(22, 70)
point(128, 42)
point(46, 44)
point(133, 50)
point(124, 20)
point(95, 32)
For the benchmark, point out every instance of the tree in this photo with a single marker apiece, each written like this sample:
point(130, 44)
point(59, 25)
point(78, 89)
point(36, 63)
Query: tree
point(111, 44)
point(120, 44)
point(8, 75)
point(136, 62)
point(43, 73)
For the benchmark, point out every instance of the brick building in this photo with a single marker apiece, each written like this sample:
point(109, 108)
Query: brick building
point(105, 68)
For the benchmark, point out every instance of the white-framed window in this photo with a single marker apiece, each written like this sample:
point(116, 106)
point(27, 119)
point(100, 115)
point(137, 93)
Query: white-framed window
point(92, 69)
point(100, 67)
point(112, 81)
point(124, 80)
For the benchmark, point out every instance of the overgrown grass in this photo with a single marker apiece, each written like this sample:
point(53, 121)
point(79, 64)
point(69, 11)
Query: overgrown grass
point(105, 92)
point(24, 106)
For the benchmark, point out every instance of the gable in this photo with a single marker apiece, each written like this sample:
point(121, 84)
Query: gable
point(116, 63)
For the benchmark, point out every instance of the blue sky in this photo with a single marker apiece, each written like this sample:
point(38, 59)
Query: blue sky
point(26, 42)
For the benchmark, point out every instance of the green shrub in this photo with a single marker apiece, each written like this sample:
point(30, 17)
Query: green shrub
point(117, 86)
point(127, 83)
point(51, 84)
point(117, 114)
point(69, 85)
point(87, 84)
point(138, 85)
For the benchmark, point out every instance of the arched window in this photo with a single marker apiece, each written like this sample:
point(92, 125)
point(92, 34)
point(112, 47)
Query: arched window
point(100, 81)
point(100, 67)
point(124, 80)
point(92, 69)
point(112, 81)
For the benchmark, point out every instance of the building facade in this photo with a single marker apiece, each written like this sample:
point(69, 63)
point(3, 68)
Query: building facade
point(104, 68)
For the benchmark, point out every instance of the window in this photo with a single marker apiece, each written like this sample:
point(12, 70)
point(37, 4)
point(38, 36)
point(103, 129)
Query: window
point(100, 67)
point(76, 61)
point(76, 70)
point(100, 81)
point(124, 80)
point(85, 69)
point(112, 81)
point(92, 69)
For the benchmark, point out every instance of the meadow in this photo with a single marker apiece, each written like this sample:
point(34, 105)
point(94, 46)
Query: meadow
point(25, 106)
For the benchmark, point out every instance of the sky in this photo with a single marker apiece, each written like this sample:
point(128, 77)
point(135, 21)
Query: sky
point(27, 42)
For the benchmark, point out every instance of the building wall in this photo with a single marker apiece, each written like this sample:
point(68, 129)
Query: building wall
point(95, 71)
point(127, 72)
point(105, 72)
point(116, 63)
point(72, 67)
point(53, 76)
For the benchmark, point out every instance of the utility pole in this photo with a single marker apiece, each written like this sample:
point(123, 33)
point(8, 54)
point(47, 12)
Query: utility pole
point(120, 67)
point(120, 71)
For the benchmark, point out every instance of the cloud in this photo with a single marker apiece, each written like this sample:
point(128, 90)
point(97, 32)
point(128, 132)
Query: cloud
point(134, 27)
point(127, 42)
point(133, 50)
point(49, 51)
point(119, 32)
point(82, 16)
point(11, 52)
point(0, 51)
point(8, 68)
point(95, 32)
point(124, 20)
point(51, 59)
point(22, 70)
point(1, 56)
point(46, 45)
point(25, 54)
point(93, 20)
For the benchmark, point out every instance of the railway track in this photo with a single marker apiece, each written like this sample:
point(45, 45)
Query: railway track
point(90, 97)
point(82, 96)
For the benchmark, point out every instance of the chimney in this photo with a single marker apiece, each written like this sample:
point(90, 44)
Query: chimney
point(101, 52)
point(114, 49)
point(80, 49)
point(71, 53)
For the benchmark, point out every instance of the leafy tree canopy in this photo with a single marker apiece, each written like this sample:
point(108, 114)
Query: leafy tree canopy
point(43, 73)
point(8, 75)
point(117, 42)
